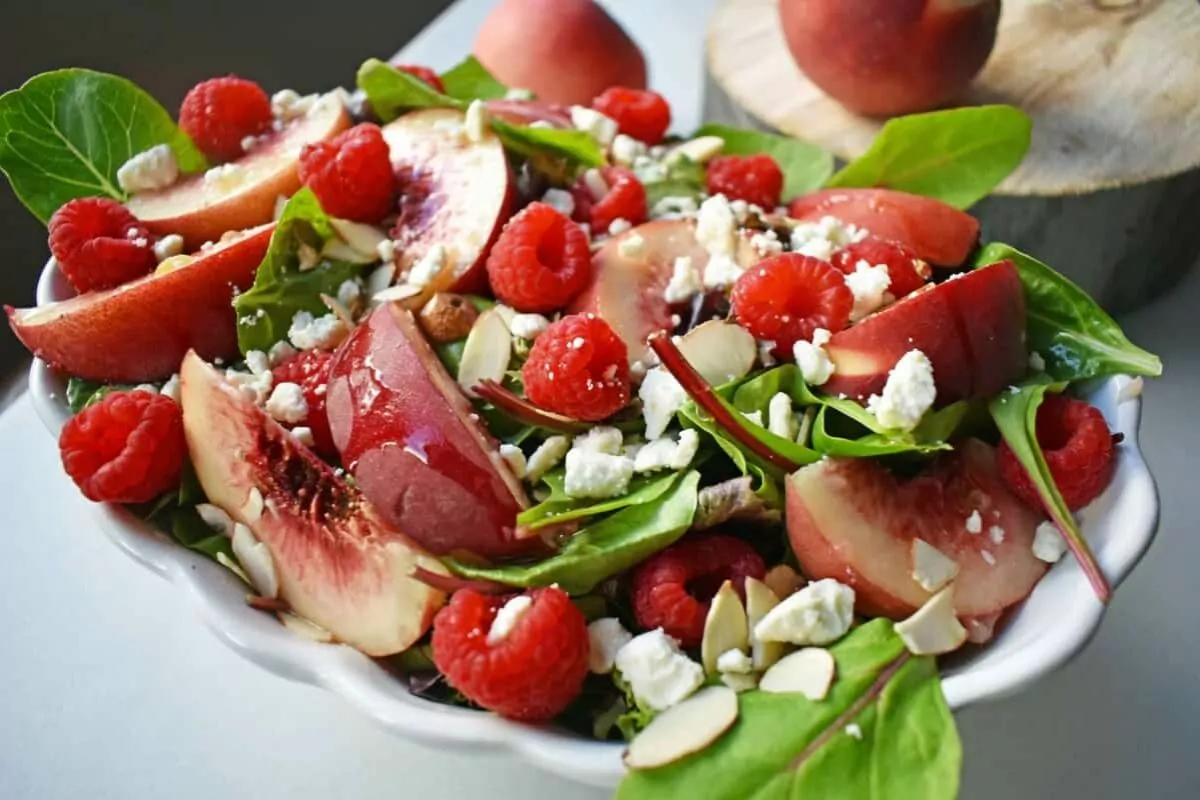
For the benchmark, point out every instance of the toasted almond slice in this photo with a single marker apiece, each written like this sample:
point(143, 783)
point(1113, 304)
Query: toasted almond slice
point(808, 672)
point(301, 626)
point(701, 150)
point(725, 627)
point(783, 581)
point(738, 682)
point(720, 351)
point(362, 238)
point(931, 568)
point(684, 729)
point(400, 291)
point(486, 353)
point(252, 509)
point(933, 629)
point(256, 560)
point(759, 600)
point(231, 565)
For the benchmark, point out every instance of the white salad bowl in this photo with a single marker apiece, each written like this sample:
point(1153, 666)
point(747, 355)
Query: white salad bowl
point(1049, 629)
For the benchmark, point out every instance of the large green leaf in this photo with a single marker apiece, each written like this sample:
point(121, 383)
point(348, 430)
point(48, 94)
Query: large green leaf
point(392, 92)
point(805, 166)
point(561, 508)
point(469, 80)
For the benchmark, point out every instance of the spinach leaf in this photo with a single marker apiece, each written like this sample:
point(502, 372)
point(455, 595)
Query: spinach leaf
point(682, 178)
point(561, 508)
point(174, 513)
point(635, 717)
point(392, 92)
point(1072, 334)
point(805, 166)
point(64, 134)
point(605, 547)
point(930, 435)
point(83, 393)
point(575, 146)
point(469, 80)
point(958, 156)
point(281, 288)
point(786, 746)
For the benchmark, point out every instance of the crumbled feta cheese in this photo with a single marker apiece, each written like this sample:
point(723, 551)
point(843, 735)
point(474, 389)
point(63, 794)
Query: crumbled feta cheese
point(619, 226)
point(661, 397)
point(560, 200)
point(667, 453)
point(765, 355)
point(215, 518)
point(528, 326)
point(974, 523)
point(601, 128)
point(821, 337)
point(279, 352)
point(996, 534)
point(823, 238)
point(151, 169)
point(674, 207)
point(169, 246)
point(907, 395)
point(287, 104)
point(476, 123)
point(546, 457)
point(596, 185)
point(869, 285)
point(931, 568)
point(317, 333)
point(223, 175)
point(632, 246)
point(1048, 543)
point(820, 613)
point(429, 266)
point(518, 93)
point(303, 435)
point(716, 228)
point(507, 617)
point(721, 272)
point(601, 439)
point(1036, 362)
point(657, 671)
point(287, 403)
point(626, 150)
point(854, 731)
point(781, 420)
point(598, 475)
point(987, 556)
point(348, 293)
point(685, 281)
point(736, 662)
point(257, 362)
point(766, 243)
point(171, 388)
point(386, 250)
point(256, 387)
point(813, 360)
point(606, 637)
point(514, 457)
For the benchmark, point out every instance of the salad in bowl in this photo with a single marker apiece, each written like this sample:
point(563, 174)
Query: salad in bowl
point(685, 444)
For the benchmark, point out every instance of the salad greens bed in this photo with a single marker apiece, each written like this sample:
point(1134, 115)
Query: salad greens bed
point(884, 729)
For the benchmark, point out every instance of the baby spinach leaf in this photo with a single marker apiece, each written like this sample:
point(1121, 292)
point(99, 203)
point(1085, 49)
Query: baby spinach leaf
point(392, 92)
point(576, 147)
point(83, 393)
point(958, 156)
point(786, 746)
point(1074, 336)
point(64, 134)
point(561, 508)
point(682, 178)
point(805, 166)
point(281, 288)
point(469, 80)
point(636, 716)
point(931, 435)
point(604, 548)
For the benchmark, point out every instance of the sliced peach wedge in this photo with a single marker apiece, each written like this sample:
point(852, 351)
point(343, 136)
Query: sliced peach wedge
point(141, 330)
point(243, 193)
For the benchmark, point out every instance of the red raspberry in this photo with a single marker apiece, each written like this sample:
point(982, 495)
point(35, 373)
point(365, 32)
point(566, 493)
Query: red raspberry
point(98, 244)
point(540, 261)
point(533, 673)
point(424, 74)
point(219, 113)
point(673, 588)
point(907, 272)
point(351, 174)
point(625, 199)
point(756, 179)
point(127, 448)
point(784, 298)
point(642, 114)
point(1078, 447)
point(579, 367)
point(310, 370)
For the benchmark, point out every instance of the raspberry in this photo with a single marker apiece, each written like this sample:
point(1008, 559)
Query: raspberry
point(540, 261)
point(424, 74)
point(641, 114)
point(624, 199)
point(673, 588)
point(1078, 447)
point(756, 179)
point(351, 174)
point(533, 673)
point(98, 244)
point(127, 448)
point(579, 367)
point(219, 113)
point(310, 370)
point(786, 297)
point(907, 272)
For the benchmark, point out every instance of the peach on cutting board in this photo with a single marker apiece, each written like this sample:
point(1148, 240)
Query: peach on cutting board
point(243, 193)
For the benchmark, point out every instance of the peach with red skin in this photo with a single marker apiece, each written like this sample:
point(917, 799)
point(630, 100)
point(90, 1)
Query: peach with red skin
point(886, 57)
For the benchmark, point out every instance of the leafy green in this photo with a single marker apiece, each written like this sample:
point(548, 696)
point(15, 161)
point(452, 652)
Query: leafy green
point(681, 178)
point(576, 147)
point(82, 393)
point(930, 435)
point(958, 156)
point(174, 513)
point(64, 134)
point(805, 166)
point(281, 288)
point(560, 508)
point(786, 746)
point(634, 719)
point(1072, 334)
point(605, 547)
point(392, 92)
point(469, 80)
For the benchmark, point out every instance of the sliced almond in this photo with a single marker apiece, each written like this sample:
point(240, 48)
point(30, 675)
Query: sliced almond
point(231, 565)
point(725, 627)
point(486, 353)
point(252, 509)
point(362, 238)
point(701, 150)
point(684, 729)
point(808, 672)
point(720, 351)
point(931, 568)
point(401, 291)
point(759, 600)
point(738, 682)
point(256, 560)
point(783, 581)
point(933, 629)
point(302, 627)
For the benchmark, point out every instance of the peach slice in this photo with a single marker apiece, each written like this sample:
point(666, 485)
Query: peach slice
point(454, 193)
point(852, 520)
point(414, 444)
point(141, 330)
point(338, 563)
point(241, 194)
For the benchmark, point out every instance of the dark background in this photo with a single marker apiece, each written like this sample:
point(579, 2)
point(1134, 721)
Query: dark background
point(167, 46)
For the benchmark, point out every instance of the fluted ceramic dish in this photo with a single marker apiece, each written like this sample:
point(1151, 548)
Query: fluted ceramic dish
point(1046, 632)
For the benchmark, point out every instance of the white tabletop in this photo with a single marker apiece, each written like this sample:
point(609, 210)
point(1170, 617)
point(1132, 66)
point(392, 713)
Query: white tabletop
point(111, 688)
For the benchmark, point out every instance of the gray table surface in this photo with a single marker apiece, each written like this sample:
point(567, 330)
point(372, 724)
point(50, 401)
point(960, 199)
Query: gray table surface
point(110, 687)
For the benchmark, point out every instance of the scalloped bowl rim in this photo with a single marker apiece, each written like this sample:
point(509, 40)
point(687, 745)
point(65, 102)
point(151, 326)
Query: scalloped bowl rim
point(1052, 627)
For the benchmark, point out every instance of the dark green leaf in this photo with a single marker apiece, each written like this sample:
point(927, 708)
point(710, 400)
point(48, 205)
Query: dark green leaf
point(575, 146)
point(958, 156)
point(64, 134)
point(1074, 336)
point(560, 508)
point(605, 547)
point(450, 354)
point(931, 435)
point(469, 80)
point(83, 393)
point(805, 166)
point(392, 92)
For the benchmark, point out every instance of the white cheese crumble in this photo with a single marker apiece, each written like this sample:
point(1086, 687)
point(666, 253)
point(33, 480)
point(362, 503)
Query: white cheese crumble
point(854, 731)
point(223, 176)
point(974, 523)
point(721, 272)
point(632, 246)
point(666, 452)
point(560, 200)
point(256, 387)
point(736, 662)
point(429, 266)
point(528, 326)
point(820, 613)
point(279, 352)
point(151, 169)
point(684, 283)
point(287, 403)
point(1048, 544)
point(546, 457)
point(596, 475)
point(1036, 362)
point(661, 397)
point(169, 246)
point(619, 226)
point(907, 395)
point(625, 150)
point(765, 355)
point(601, 439)
point(996, 534)
point(716, 232)
point(601, 128)
point(766, 243)
point(606, 637)
point(476, 122)
point(507, 617)
point(257, 362)
point(515, 458)
point(658, 672)
point(303, 435)
point(823, 238)
point(596, 185)
point(317, 333)
point(869, 285)
point(287, 104)
point(813, 360)
point(781, 420)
